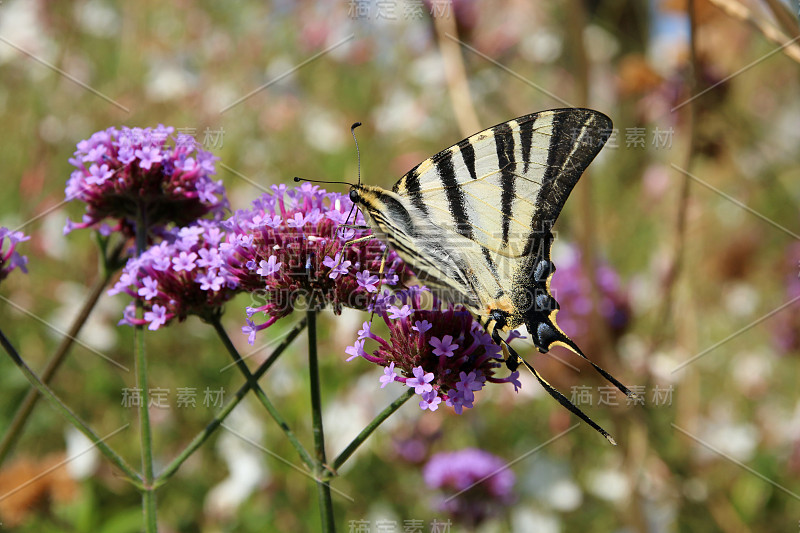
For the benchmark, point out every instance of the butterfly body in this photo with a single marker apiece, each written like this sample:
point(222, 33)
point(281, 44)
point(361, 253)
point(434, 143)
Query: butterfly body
point(474, 221)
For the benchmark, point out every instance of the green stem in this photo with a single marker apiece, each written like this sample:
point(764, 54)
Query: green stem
point(214, 424)
point(73, 418)
point(259, 392)
point(320, 470)
point(145, 429)
point(372, 426)
point(14, 430)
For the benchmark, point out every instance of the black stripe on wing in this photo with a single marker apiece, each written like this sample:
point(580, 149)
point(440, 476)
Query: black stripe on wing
point(526, 138)
point(414, 190)
point(506, 162)
point(468, 154)
point(455, 196)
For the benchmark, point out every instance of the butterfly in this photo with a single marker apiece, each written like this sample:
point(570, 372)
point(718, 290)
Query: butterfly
point(474, 222)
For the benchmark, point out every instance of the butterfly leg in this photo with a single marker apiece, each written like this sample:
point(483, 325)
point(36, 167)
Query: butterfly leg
point(380, 281)
point(490, 327)
point(348, 243)
point(510, 356)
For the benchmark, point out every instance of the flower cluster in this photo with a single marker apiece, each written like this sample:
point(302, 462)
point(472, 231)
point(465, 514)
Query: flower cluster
point(11, 259)
point(571, 288)
point(180, 276)
point(443, 353)
point(481, 482)
point(289, 251)
point(119, 170)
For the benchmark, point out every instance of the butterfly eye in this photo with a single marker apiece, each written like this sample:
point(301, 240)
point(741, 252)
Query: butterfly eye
point(354, 196)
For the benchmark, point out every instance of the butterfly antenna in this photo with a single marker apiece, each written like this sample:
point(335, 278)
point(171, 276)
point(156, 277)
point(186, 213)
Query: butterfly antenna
point(358, 156)
point(297, 180)
point(358, 152)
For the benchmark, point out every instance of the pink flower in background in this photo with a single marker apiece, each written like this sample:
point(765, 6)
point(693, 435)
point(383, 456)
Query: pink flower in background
point(120, 169)
point(11, 258)
point(474, 484)
point(572, 289)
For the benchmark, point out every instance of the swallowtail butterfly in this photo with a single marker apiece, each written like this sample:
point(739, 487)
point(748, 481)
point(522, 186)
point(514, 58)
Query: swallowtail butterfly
point(474, 222)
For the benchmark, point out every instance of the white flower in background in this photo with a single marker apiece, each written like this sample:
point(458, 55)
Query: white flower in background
point(525, 520)
point(82, 455)
point(609, 484)
point(245, 461)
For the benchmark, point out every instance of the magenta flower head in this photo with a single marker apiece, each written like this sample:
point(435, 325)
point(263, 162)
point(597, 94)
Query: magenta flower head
point(180, 276)
point(475, 484)
point(120, 169)
point(288, 251)
point(571, 287)
point(10, 257)
point(443, 353)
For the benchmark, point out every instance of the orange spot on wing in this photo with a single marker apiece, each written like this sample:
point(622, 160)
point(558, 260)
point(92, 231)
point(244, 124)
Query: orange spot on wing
point(503, 304)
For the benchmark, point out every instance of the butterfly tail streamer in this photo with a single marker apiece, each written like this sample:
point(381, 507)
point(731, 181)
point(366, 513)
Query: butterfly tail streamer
point(570, 345)
point(560, 398)
point(551, 335)
point(552, 391)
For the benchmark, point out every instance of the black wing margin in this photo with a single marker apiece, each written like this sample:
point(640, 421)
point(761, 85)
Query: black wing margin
point(578, 135)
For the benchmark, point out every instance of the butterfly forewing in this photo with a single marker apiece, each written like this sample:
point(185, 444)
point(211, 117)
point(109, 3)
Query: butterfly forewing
point(497, 185)
point(491, 199)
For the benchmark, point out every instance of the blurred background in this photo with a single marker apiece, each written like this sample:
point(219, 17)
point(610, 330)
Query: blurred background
point(677, 255)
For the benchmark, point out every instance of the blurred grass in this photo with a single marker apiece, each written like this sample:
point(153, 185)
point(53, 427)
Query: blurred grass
point(181, 63)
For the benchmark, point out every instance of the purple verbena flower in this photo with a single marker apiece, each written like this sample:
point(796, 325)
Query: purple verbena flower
point(184, 261)
point(10, 258)
point(337, 266)
point(367, 281)
point(388, 376)
point(474, 484)
point(287, 250)
point(270, 267)
point(172, 282)
point(421, 382)
point(149, 289)
point(120, 169)
point(156, 317)
point(430, 401)
point(356, 350)
point(399, 312)
point(421, 326)
point(443, 347)
point(468, 384)
point(440, 352)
